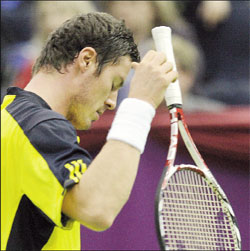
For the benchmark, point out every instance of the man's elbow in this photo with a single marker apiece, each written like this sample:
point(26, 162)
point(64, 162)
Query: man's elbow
point(97, 222)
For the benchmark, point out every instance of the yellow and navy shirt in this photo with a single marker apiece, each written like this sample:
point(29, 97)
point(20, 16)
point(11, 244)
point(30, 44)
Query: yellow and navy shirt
point(40, 159)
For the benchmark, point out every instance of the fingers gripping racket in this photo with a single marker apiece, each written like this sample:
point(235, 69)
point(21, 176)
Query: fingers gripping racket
point(192, 211)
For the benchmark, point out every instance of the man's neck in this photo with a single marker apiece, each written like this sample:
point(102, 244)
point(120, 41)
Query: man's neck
point(52, 88)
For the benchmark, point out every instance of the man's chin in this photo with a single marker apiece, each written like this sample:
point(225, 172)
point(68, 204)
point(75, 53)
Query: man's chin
point(83, 127)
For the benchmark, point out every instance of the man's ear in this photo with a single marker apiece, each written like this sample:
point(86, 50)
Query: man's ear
point(87, 58)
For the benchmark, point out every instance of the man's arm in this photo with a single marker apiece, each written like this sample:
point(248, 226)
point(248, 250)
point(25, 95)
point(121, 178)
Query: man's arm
point(105, 187)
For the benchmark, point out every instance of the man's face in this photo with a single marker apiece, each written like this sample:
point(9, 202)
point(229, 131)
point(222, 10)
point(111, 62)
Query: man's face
point(98, 93)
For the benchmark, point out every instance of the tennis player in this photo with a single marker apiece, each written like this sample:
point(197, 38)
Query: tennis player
point(49, 184)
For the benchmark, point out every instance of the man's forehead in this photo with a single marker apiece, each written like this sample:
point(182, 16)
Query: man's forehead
point(123, 68)
point(124, 60)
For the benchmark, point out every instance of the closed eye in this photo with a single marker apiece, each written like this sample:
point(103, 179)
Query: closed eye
point(116, 86)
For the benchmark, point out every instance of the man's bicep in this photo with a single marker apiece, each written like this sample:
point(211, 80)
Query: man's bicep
point(77, 206)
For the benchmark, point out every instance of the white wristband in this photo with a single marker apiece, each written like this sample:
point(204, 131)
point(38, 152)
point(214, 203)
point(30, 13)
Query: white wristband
point(132, 122)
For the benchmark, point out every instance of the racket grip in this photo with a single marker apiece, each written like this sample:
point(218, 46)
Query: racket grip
point(163, 43)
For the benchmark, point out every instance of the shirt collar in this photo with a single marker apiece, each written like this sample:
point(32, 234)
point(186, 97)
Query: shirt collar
point(27, 94)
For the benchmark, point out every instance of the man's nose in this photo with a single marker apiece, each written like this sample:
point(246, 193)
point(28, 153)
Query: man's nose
point(111, 101)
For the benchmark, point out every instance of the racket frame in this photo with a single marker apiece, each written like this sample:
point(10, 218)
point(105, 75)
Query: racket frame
point(178, 123)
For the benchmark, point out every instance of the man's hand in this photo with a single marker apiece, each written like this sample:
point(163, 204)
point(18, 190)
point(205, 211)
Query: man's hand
point(152, 76)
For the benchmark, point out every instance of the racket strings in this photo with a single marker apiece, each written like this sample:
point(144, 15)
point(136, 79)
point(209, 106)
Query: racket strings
point(192, 215)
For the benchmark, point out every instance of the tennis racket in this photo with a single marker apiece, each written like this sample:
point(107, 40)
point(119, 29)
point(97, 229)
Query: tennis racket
point(192, 211)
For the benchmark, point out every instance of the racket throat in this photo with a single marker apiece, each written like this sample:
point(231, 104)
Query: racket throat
point(173, 137)
point(198, 160)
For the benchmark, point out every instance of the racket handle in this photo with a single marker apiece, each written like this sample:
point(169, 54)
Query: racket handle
point(163, 43)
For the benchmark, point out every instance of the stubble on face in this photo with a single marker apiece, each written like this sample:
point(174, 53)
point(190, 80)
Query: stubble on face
point(78, 120)
point(89, 101)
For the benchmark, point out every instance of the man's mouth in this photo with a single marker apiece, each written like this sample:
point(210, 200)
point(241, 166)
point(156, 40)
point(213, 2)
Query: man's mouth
point(100, 112)
point(98, 115)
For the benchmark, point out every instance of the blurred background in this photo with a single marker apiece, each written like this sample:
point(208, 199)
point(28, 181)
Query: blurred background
point(211, 45)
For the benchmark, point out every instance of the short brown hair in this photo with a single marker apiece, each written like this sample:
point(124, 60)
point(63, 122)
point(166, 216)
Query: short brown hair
point(108, 36)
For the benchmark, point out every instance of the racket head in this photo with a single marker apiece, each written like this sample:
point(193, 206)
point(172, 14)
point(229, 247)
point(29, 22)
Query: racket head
point(192, 212)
